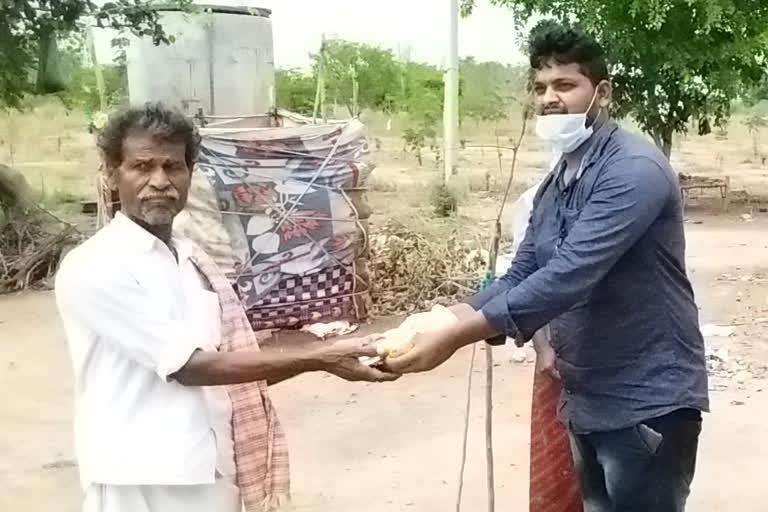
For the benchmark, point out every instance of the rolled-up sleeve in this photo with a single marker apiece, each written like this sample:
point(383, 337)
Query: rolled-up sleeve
point(117, 310)
point(626, 200)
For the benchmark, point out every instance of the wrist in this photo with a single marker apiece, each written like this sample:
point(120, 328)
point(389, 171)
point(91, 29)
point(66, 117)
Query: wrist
point(316, 360)
point(455, 337)
point(462, 310)
point(468, 330)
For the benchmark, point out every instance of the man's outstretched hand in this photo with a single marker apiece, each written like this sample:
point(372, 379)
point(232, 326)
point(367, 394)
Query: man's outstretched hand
point(430, 350)
point(433, 348)
point(342, 359)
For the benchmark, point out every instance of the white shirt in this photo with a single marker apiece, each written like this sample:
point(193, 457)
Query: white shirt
point(133, 316)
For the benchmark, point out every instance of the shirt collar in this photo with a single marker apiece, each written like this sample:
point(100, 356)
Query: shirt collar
point(142, 240)
point(596, 143)
point(133, 234)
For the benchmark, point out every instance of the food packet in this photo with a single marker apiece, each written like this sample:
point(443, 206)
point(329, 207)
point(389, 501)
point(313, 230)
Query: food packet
point(399, 341)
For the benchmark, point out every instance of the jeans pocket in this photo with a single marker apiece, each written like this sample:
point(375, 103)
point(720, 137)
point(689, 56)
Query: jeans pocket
point(649, 438)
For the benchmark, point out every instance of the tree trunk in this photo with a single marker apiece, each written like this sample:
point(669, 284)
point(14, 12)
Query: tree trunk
point(355, 94)
point(49, 75)
point(663, 139)
point(44, 42)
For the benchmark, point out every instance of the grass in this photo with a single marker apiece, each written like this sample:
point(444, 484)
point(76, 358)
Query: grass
point(52, 148)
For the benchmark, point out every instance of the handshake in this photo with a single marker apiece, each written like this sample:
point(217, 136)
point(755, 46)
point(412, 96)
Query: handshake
point(384, 356)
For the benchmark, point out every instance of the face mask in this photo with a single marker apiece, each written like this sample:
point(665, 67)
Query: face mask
point(565, 132)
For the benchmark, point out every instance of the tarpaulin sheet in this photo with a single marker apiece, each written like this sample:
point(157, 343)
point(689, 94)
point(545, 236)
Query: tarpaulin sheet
point(279, 216)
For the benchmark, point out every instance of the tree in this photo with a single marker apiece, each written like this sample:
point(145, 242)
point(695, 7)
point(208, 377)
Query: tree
point(488, 89)
point(30, 31)
point(755, 123)
point(670, 59)
point(83, 91)
point(421, 96)
point(372, 70)
point(295, 91)
point(758, 93)
point(421, 93)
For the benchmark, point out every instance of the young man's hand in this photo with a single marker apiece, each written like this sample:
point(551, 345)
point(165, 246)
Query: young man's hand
point(433, 348)
point(545, 355)
point(429, 351)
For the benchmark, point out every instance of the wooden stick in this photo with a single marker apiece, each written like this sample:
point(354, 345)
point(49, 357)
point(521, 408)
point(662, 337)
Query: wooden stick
point(466, 428)
point(490, 477)
point(490, 474)
point(493, 254)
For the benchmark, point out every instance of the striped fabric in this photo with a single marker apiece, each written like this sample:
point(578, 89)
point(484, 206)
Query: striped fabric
point(553, 484)
point(261, 452)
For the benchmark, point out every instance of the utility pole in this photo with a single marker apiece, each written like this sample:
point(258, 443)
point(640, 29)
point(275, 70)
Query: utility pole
point(320, 91)
point(451, 102)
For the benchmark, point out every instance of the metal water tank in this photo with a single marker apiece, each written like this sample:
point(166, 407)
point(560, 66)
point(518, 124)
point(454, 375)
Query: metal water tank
point(221, 60)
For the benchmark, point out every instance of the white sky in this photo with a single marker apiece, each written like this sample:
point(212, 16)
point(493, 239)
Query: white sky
point(421, 24)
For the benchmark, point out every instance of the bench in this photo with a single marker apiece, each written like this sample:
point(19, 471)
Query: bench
point(722, 185)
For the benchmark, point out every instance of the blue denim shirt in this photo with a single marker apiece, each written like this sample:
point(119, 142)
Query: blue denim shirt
point(603, 262)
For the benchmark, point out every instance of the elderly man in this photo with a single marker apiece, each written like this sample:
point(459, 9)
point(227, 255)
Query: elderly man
point(603, 263)
point(171, 406)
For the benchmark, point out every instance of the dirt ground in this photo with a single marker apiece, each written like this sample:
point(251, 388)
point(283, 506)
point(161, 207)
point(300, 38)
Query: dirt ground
point(396, 447)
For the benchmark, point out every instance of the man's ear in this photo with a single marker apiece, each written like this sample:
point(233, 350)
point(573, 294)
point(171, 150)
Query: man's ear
point(604, 94)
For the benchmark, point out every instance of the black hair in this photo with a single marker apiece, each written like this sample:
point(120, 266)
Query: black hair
point(565, 44)
point(153, 118)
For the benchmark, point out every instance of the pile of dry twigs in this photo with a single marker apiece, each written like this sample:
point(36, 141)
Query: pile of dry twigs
point(31, 238)
point(30, 249)
point(411, 272)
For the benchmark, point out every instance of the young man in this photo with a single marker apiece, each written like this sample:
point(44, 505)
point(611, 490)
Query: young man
point(603, 263)
point(156, 332)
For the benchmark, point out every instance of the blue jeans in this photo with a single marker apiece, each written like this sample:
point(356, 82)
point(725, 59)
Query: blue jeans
point(645, 468)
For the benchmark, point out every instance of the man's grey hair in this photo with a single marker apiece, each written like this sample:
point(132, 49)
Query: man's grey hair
point(153, 118)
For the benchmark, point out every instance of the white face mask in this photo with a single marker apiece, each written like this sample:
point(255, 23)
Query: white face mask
point(565, 132)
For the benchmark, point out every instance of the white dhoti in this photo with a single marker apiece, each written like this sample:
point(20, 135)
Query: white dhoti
point(223, 496)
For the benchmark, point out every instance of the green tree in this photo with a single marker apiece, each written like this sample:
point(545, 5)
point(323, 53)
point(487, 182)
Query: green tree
point(670, 59)
point(756, 94)
point(372, 70)
point(30, 31)
point(295, 91)
point(489, 89)
point(422, 93)
point(755, 124)
point(83, 92)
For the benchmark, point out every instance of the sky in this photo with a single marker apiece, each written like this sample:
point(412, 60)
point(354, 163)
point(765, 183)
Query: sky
point(422, 25)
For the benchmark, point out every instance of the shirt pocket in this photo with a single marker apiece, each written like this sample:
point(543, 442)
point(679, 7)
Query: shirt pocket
point(162, 288)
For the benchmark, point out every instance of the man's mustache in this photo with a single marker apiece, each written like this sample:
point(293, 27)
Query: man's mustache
point(160, 197)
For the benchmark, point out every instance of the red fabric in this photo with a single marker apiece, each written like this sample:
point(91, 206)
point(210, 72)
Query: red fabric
point(553, 484)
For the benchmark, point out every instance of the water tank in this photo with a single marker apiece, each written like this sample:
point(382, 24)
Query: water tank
point(221, 60)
